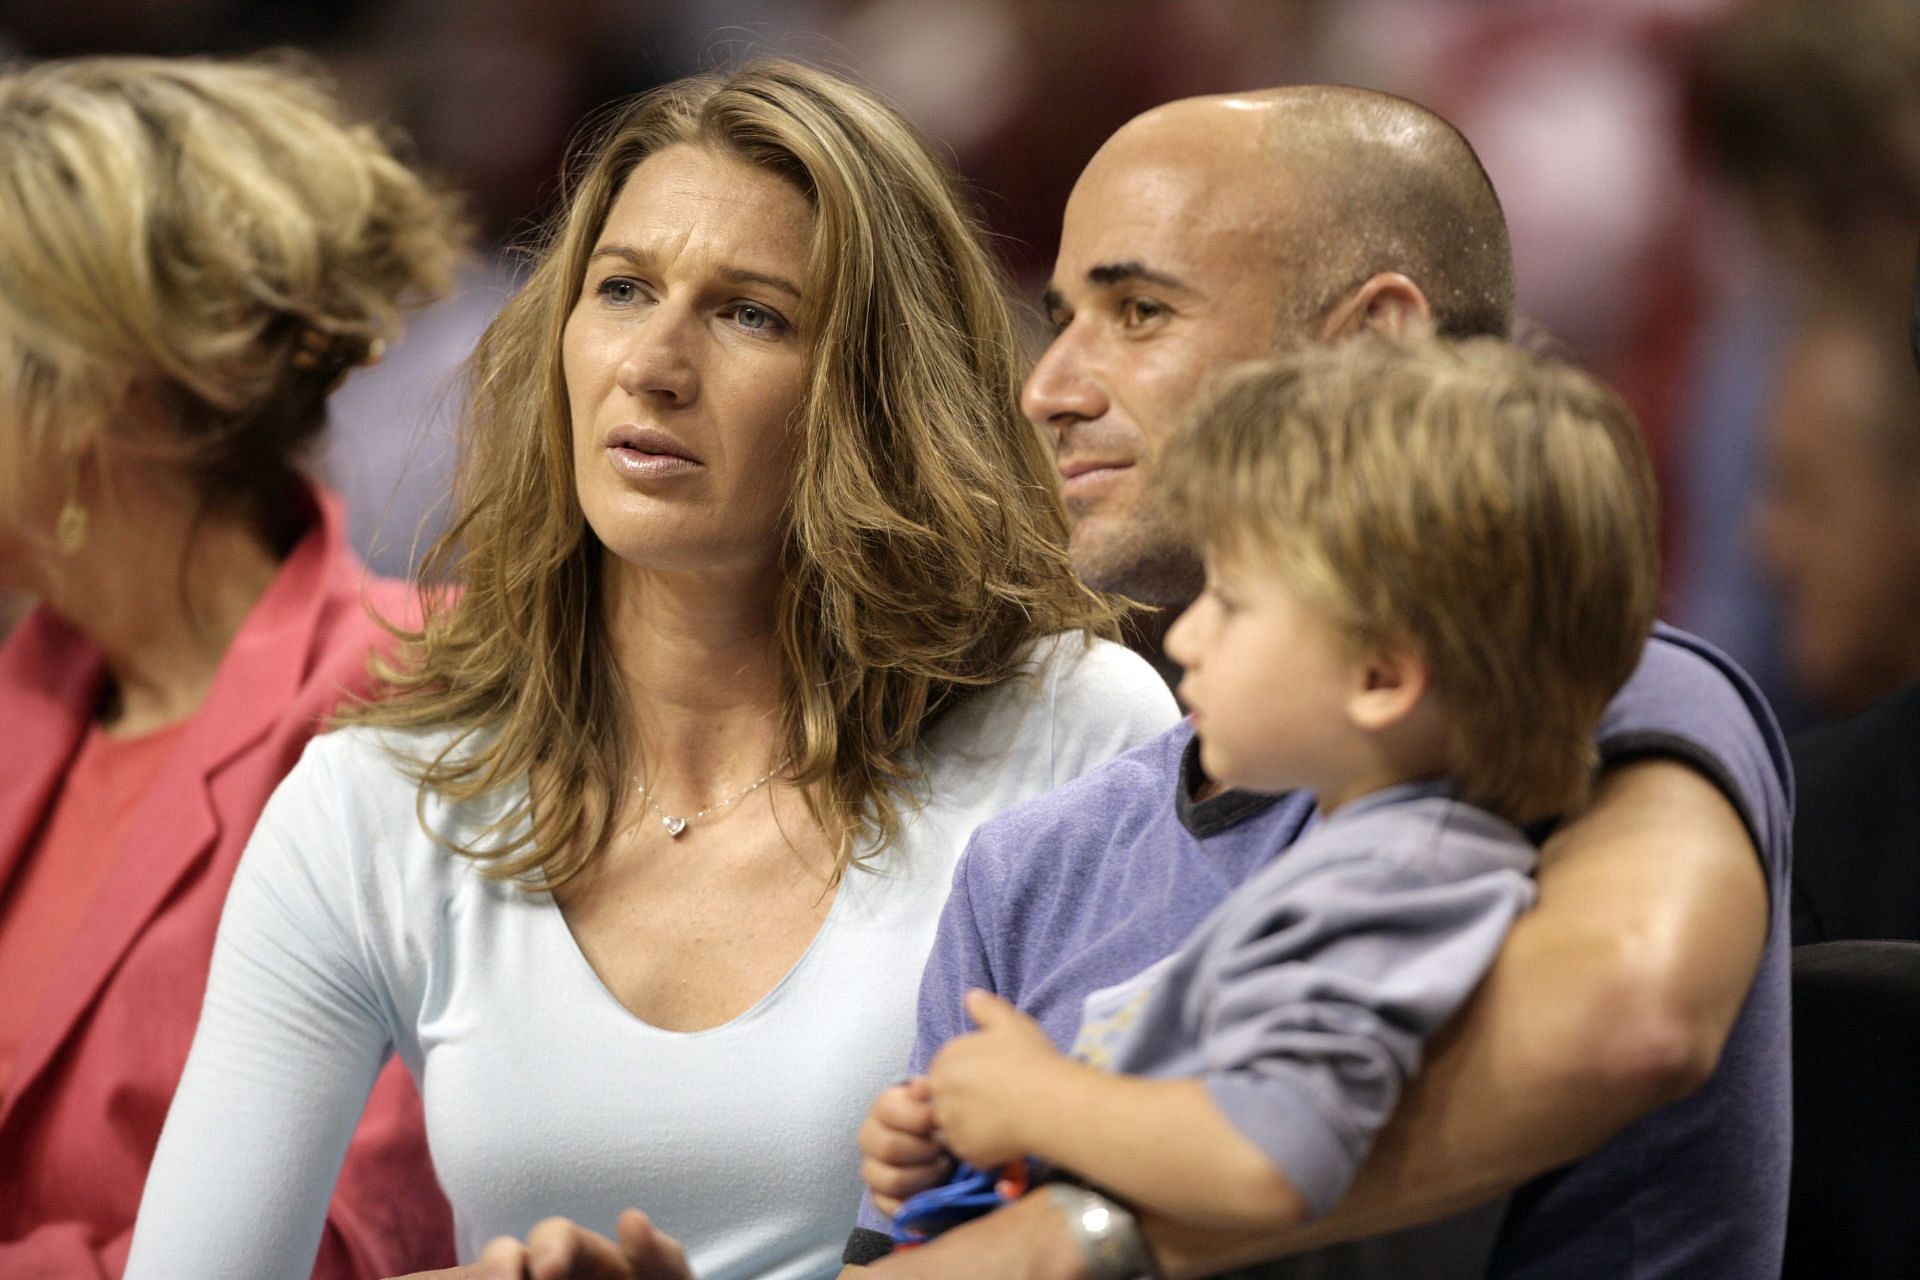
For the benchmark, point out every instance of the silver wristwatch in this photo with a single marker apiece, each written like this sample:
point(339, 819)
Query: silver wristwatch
point(1106, 1234)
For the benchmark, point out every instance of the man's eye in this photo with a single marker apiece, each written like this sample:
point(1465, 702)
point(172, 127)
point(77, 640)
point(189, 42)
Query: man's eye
point(1141, 310)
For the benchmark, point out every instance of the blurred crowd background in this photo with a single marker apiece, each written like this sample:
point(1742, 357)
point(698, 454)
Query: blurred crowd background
point(1715, 204)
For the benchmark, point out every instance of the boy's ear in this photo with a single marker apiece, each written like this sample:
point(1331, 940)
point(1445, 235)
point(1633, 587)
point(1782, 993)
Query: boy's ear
point(1390, 682)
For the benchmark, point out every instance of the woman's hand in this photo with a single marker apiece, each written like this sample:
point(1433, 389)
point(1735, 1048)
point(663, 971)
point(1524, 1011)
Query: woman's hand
point(557, 1249)
point(989, 1086)
point(899, 1154)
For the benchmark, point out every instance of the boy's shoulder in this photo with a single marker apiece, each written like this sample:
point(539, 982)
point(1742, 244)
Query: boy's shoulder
point(1406, 836)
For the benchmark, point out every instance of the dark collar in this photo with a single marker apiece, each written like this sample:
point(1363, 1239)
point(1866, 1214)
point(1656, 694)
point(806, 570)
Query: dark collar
point(1209, 817)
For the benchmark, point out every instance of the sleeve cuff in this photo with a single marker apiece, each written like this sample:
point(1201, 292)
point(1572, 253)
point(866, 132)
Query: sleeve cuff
point(1624, 748)
point(1279, 1120)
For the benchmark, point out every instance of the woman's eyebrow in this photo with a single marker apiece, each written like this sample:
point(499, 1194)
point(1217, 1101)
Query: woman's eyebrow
point(732, 275)
point(739, 275)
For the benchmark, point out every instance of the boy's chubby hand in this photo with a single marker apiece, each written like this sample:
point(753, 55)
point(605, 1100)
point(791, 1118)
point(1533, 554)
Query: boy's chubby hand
point(899, 1153)
point(989, 1084)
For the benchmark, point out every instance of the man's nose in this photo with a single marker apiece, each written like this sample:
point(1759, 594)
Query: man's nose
point(1062, 390)
point(658, 359)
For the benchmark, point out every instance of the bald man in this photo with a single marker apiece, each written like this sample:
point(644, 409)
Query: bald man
point(1616, 1097)
point(1216, 230)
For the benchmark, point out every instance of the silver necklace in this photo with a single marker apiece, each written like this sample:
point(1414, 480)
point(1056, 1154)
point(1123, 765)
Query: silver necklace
point(676, 825)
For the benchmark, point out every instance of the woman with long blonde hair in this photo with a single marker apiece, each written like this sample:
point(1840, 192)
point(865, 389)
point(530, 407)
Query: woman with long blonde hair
point(765, 604)
point(193, 254)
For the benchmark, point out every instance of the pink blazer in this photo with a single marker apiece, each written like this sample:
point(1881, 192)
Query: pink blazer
point(81, 1115)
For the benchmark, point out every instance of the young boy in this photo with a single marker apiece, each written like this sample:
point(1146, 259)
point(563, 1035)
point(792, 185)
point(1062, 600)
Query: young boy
point(1429, 567)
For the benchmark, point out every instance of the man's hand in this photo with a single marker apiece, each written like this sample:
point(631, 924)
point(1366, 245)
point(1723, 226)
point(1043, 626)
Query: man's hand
point(986, 1083)
point(1026, 1240)
point(557, 1249)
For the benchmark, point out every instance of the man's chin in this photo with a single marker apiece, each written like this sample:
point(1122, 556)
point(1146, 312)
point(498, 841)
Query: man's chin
point(1164, 574)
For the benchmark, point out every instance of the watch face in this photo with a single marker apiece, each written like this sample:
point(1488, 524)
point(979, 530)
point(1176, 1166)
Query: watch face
point(1107, 1236)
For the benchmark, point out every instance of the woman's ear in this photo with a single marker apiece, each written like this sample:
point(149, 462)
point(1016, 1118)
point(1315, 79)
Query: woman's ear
point(1390, 683)
point(1388, 303)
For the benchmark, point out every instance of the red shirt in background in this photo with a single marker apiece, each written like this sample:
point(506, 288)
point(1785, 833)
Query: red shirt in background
point(64, 866)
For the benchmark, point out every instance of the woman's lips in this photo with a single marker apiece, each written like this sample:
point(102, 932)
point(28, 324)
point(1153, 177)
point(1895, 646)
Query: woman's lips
point(648, 453)
point(637, 465)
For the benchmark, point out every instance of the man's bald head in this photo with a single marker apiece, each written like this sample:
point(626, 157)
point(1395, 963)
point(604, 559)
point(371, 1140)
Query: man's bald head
point(1351, 184)
point(1217, 230)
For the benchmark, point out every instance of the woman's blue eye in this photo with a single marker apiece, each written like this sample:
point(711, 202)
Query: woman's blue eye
point(757, 319)
point(616, 289)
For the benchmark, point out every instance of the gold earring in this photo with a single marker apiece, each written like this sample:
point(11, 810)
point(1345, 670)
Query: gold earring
point(70, 528)
point(310, 350)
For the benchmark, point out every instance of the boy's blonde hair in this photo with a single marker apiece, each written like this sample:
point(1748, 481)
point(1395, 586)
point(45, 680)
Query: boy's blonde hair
point(1493, 508)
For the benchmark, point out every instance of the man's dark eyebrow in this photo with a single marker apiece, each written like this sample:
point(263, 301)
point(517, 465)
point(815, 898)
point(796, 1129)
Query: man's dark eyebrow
point(1112, 273)
point(1108, 274)
point(732, 275)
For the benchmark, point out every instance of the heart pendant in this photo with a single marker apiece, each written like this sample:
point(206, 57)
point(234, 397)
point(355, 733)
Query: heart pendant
point(673, 825)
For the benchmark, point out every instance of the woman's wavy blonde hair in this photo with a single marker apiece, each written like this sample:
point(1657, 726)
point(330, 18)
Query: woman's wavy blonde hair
point(219, 232)
point(924, 544)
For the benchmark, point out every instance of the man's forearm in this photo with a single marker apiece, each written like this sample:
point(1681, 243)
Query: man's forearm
point(1163, 1147)
point(1027, 1240)
point(1611, 999)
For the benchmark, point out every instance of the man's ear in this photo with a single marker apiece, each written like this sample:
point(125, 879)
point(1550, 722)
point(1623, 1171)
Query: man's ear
point(1388, 303)
point(1389, 684)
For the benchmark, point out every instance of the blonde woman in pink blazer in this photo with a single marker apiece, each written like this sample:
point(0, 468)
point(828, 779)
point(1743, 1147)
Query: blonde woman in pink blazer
point(192, 255)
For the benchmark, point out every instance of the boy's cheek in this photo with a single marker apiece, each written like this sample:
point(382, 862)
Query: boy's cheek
point(1216, 761)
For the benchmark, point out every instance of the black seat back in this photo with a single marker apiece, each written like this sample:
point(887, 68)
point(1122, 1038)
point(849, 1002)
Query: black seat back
point(1855, 1208)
